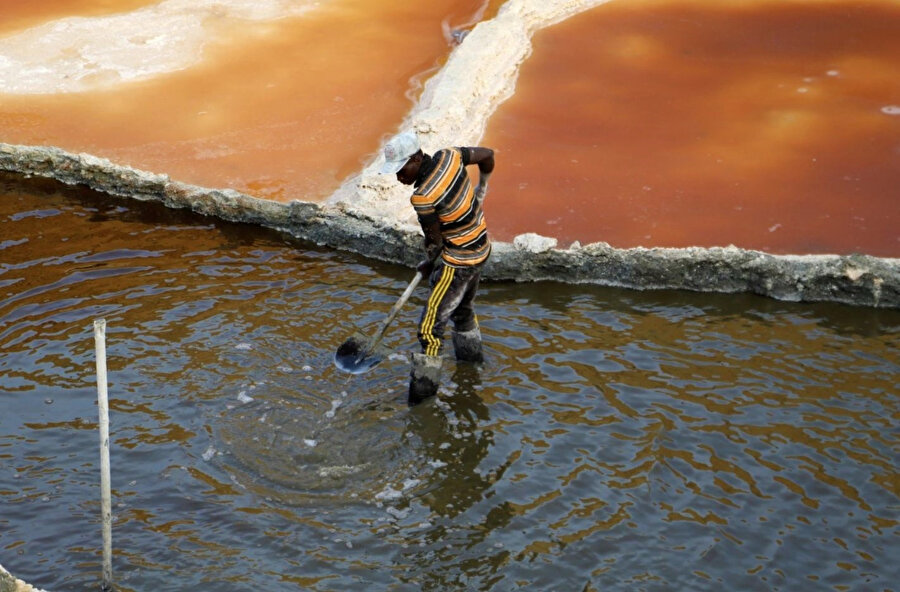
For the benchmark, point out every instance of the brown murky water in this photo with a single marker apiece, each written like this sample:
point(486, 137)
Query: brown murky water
point(614, 440)
point(768, 125)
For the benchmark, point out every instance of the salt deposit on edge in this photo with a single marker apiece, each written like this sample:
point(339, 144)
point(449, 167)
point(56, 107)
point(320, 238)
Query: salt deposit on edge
point(458, 101)
point(78, 54)
point(13, 584)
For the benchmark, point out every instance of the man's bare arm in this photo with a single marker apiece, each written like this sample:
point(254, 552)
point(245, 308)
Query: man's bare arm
point(484, 158)
point(434, 242)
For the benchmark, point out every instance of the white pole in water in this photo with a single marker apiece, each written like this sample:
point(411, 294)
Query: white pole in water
point(105, 496)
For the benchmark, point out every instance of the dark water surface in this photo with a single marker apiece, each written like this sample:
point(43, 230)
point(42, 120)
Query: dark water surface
point(615, 440)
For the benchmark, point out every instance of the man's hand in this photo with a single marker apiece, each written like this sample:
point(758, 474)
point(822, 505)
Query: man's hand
point(480, 191)
point(425, 267)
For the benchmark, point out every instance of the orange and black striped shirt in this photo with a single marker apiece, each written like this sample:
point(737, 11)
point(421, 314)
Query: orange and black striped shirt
point(444, 189)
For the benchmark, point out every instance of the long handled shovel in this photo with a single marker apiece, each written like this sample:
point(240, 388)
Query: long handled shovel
point(358, 354)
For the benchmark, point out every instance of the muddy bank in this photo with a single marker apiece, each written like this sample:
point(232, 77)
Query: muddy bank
point(854, 279)
point(9, 583)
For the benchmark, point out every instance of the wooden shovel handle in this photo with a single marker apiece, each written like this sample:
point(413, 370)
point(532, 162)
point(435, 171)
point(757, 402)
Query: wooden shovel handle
point(395, 309)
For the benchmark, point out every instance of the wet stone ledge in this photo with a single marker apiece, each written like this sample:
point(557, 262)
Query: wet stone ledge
point(853, 279)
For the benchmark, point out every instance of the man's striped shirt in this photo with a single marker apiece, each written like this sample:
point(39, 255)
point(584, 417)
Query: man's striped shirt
point(444, 189)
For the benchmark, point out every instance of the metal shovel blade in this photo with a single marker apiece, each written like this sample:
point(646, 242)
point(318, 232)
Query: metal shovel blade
point(356, 355)
point(359, 354)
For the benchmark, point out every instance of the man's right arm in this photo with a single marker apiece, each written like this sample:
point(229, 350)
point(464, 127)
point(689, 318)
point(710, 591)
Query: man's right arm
point(434, 242)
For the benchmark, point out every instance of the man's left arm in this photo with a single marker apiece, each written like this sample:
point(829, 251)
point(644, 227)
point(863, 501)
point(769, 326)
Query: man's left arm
point(484, 158)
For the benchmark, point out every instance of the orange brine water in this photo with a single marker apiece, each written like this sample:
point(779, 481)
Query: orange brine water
point(771, 126)
point(280, 109)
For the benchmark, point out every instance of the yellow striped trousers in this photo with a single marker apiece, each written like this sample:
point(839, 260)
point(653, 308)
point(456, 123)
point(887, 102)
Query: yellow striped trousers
point(452, 296)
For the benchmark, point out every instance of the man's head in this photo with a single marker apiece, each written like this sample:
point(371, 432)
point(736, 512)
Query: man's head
point(403, 156)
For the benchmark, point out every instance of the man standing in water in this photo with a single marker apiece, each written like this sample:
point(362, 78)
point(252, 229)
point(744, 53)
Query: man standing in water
point(456, 248)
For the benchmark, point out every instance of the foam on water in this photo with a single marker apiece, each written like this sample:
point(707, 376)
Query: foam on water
point(78, 54)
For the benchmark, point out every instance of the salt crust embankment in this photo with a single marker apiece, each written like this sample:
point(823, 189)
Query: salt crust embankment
point(854, 279)
point(370, 213)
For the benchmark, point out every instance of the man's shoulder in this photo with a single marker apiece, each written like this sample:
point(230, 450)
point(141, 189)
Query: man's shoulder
point(447, 159)
point(448, 152)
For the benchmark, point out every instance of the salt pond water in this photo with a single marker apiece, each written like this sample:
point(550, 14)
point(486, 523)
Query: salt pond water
point(279, 99)
point(767, 125)
point(614, 440)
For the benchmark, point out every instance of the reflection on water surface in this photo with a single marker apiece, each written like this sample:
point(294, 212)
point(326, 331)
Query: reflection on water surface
point(614, 440)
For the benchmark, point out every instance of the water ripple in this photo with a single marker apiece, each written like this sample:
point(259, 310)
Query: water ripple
point(613, 440)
